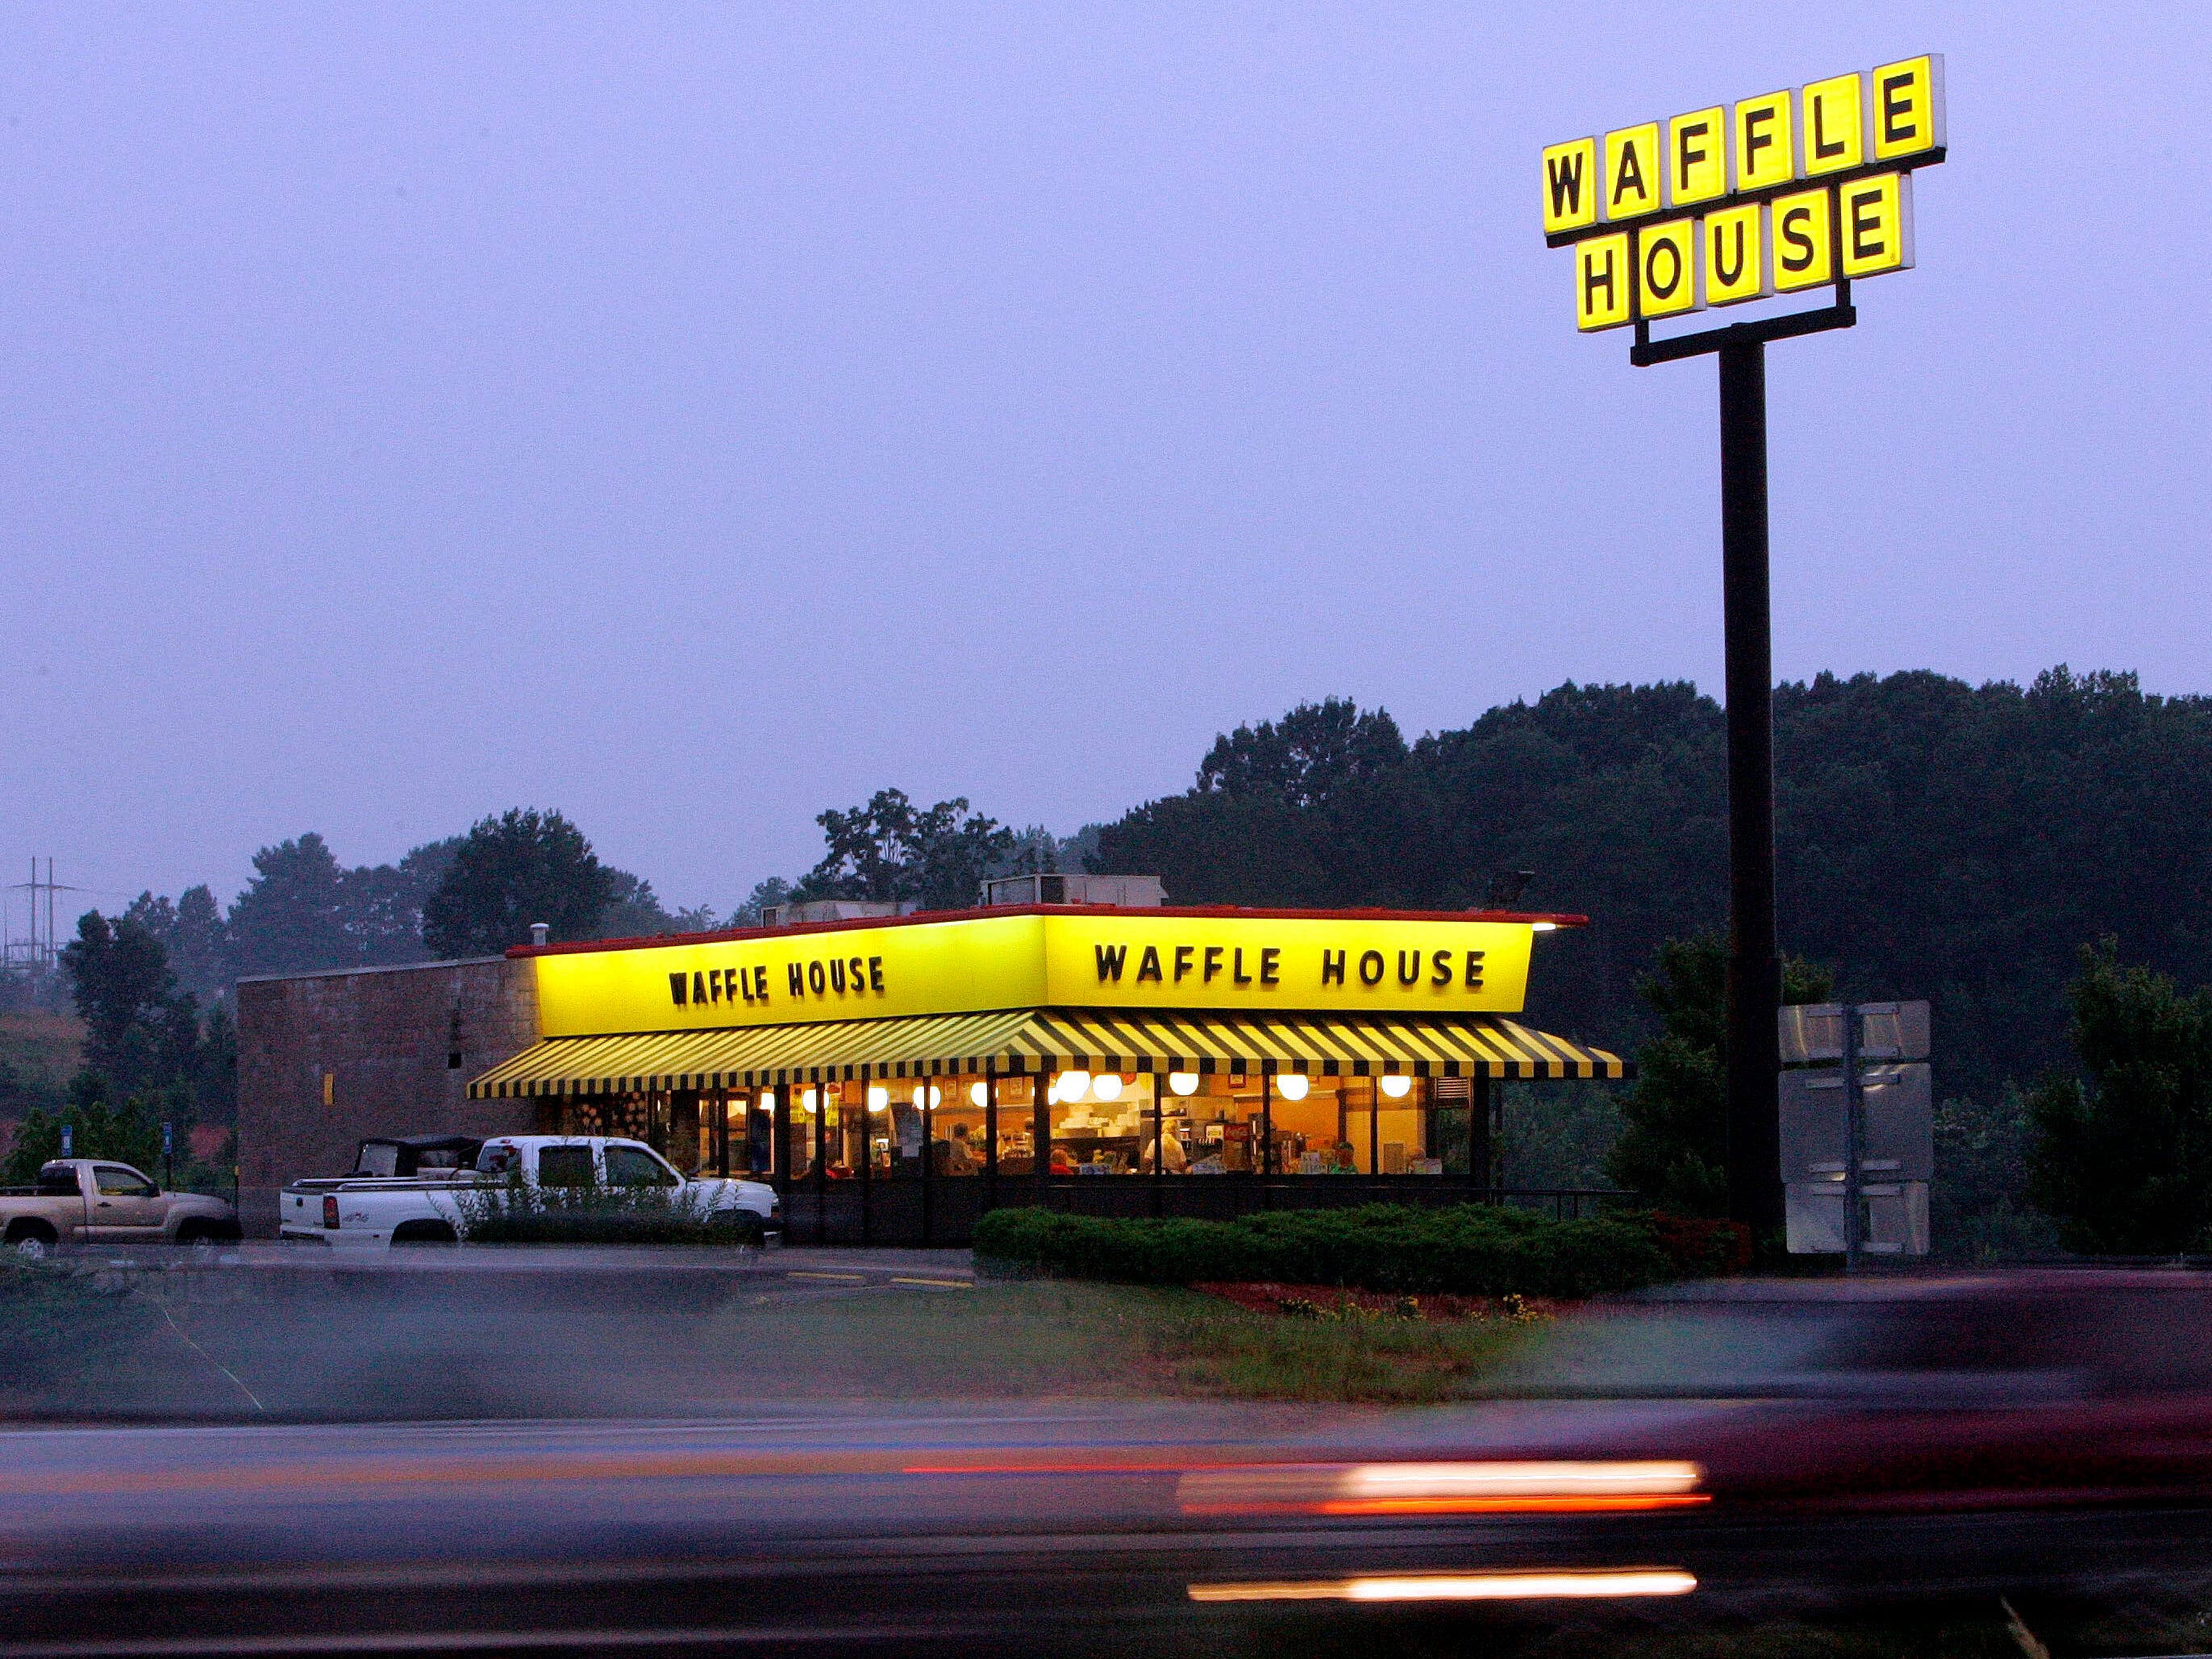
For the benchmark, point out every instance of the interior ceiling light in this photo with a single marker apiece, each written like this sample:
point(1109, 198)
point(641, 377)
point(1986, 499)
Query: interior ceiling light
point(1107, 1085)
point(1293, 1085)
point(811, 1095)
point(1073, 1085)
point(977, 1094)
point(1183, 1083)
point(878, 1097)
point(1397, 1085)
point(765, 1101)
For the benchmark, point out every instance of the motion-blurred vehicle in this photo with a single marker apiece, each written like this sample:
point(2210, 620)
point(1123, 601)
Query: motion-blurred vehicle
point(430, 1201)
point(87, 1200)
point(1741, 1450)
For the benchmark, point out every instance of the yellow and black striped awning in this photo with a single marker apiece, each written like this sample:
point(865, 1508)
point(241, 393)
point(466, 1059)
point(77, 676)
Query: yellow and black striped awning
point(1041, 1040)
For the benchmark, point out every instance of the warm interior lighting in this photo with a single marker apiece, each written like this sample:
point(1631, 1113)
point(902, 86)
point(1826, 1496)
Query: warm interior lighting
point(1293, 1085)
point(878, 1097)
point(1543, 926)
point(1107, 1085)
point(1183, 1083)
point(1073, 1086)
point(764, 1101)
point(1529, 1586)
point(810, 1097)
point(1396, 1085)
point(977, 1094)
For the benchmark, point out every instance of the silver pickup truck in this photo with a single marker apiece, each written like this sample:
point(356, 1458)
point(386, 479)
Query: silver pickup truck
point(92, 1201)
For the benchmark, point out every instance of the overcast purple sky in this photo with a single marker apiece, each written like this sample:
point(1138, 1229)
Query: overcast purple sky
point(693, 416)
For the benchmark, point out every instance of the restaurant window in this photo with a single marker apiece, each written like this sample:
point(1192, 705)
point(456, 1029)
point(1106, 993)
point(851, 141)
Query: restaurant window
point(844, 1130)
point(896, 1107)
point(1101, 1122)
point(1209, 1123)
point(1314, 1132)
point(685, 1134)
point(956, 1126)
point(798, 1152)
point(1017, 1124)
point(751, 1129)
point(1451, 1100)
point(1395, 1139)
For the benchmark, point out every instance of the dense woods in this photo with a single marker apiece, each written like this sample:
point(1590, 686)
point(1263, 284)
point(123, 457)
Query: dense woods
point(1935, 839)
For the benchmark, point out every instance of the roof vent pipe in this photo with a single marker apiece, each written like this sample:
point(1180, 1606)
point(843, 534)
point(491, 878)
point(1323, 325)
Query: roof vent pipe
point(539, 930)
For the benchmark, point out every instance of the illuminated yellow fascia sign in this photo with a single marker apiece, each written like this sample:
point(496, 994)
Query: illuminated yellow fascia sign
point(1124, 959)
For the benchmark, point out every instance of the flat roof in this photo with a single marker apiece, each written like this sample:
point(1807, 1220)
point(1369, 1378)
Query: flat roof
point(923, 918)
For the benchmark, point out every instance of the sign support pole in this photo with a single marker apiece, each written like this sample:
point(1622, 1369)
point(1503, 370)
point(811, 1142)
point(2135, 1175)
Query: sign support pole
point(1754, 969)
point(1754, 965)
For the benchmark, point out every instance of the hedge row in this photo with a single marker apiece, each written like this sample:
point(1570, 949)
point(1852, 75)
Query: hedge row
point(1471, 1249)
point(609, 1227)
point(592, 1214)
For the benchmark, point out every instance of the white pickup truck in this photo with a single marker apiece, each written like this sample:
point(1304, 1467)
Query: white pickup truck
point(94, 1200)
point(433, 1206)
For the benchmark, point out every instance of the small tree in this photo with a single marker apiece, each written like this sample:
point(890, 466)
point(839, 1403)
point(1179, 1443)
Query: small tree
point(138, 1030)
point(2123, 1155)
point(1673, 1149)
point(890, 850)
point(521, 867)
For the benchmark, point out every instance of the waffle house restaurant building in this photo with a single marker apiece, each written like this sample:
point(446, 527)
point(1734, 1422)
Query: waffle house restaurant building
point(895, 1077)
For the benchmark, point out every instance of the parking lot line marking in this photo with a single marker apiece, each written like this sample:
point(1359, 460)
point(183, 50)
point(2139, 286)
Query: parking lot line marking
point(938, 1284)
point(842, 1278)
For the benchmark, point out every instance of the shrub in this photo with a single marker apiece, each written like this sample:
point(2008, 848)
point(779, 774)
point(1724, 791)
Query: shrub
point(520, 1213)
point(1473, 1249)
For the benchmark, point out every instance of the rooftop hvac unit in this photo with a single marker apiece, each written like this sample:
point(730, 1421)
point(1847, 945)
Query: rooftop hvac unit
point(1126, 892)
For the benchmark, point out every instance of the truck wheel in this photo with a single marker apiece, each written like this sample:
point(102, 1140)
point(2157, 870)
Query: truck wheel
point(32, 1239)
point(192, 1232)
point(424, 1232)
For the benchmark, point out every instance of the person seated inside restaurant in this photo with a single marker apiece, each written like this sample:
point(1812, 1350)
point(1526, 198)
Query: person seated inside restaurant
point(1173, 1160)
point(952, 1155)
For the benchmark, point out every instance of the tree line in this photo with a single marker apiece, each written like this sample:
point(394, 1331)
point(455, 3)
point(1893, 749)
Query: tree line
point(1934, 839)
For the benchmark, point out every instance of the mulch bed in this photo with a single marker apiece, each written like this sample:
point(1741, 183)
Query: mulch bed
point(1330, 1300)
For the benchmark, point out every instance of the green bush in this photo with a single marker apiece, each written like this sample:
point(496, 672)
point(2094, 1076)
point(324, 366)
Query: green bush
point(519, 1213)
point(1473, 1250)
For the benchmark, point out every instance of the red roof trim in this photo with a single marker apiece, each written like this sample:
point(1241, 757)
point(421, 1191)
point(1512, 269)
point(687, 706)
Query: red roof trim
point(731, 935)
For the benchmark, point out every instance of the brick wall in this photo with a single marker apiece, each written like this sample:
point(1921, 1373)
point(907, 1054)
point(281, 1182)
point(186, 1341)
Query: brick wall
point(386, 1039)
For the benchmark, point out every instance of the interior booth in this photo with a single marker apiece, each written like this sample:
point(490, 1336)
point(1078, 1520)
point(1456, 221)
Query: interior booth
point(895, 1077)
